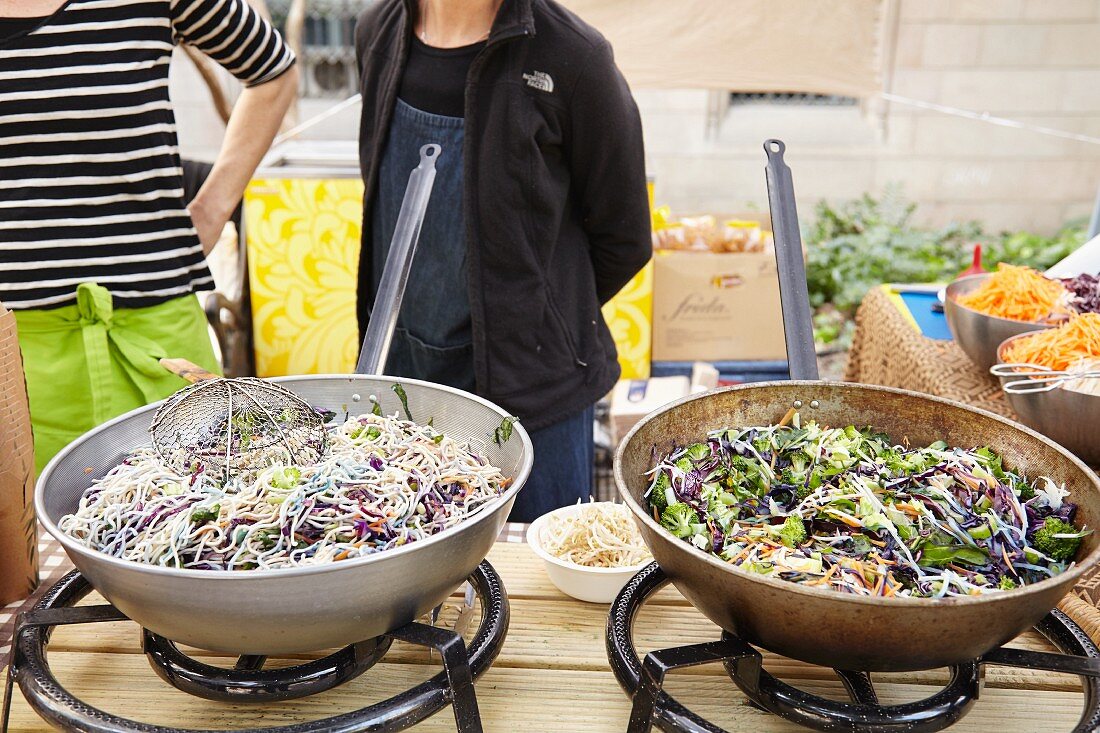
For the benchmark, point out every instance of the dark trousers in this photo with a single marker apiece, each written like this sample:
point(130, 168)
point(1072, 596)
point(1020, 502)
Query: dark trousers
point(563, 468)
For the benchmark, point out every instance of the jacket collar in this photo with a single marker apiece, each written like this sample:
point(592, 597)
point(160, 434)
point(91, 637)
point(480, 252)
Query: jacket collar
point(515, 17)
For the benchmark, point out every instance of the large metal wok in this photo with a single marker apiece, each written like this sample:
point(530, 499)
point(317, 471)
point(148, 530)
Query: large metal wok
point(819, 625)
point(308, 608)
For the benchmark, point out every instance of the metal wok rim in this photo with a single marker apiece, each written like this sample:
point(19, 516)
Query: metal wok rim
point(72, 546)
point(949, 297)
point(1073, 573)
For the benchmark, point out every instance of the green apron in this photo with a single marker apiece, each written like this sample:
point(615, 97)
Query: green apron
point(88, 362)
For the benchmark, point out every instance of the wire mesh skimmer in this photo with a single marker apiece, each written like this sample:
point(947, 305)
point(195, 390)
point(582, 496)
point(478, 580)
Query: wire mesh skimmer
point(233, 427)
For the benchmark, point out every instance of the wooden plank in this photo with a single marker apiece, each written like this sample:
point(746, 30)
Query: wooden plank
point(510, 699)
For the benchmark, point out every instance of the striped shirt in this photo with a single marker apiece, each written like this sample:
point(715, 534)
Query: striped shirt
point(91, 188)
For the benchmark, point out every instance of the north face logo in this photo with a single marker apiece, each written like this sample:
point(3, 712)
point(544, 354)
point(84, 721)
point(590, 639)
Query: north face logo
point(539, 80)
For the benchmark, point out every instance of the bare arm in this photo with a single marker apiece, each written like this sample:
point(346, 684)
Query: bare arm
point(252, 126)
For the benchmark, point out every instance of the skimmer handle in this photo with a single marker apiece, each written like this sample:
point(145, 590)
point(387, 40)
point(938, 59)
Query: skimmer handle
point(794, 294)
point(188, 370)
point(395, 275)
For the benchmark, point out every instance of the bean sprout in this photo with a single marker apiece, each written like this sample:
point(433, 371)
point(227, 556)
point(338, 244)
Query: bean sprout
point(599, 535)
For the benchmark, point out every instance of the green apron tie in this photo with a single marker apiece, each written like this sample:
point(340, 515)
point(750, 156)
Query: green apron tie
point(89, 362)
point(139, 354)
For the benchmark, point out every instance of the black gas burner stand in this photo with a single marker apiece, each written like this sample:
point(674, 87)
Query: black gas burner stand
point(247, 681)
point(642, 681)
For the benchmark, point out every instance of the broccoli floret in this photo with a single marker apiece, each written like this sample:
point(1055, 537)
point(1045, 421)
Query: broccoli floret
point(657, 497)
point(685, 464)
point(286, 478)
point(1006, 583)
point(204, 515)
point(698, 451)
point(1048, 542)
point(793, 531)
point(678, 519)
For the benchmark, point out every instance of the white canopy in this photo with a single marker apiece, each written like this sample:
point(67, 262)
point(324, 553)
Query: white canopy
point(817, 46)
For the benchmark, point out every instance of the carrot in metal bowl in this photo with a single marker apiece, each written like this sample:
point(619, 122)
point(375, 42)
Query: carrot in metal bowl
point(1058, 348)
point(1019, 294)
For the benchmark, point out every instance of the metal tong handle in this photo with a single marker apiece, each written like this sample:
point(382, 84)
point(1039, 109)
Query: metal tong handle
point(794, 294)
point(395, 275)
point(1030, 385)
point(1041, 373)
point(1035, 378)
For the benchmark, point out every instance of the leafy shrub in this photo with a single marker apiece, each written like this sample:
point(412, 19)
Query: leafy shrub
point(859, 244)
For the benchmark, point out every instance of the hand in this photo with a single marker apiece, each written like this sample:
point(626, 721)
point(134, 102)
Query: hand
point(209, 225)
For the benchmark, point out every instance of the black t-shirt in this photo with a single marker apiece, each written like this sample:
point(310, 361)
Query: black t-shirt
point(435, 78)
point(10, 27)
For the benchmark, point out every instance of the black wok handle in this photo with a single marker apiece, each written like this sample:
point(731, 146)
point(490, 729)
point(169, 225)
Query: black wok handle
point(395, 275)
point(794, 295)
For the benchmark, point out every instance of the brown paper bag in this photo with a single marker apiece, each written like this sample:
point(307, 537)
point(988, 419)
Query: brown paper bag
point(18, 529)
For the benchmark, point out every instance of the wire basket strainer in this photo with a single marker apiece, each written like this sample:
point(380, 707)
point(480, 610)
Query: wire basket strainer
point(234, 427)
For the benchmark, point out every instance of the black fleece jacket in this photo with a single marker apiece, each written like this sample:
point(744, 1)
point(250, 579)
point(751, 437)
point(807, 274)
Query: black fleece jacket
point(557, 217)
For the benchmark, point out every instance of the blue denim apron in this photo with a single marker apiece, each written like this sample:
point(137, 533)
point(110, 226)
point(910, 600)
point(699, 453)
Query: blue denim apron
point(433, 339)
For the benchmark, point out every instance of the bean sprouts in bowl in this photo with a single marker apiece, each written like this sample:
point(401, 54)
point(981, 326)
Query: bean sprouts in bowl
point(601, 534)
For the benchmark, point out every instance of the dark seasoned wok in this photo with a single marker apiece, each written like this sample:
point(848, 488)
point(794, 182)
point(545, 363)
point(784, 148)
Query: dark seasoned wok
point(820, 625)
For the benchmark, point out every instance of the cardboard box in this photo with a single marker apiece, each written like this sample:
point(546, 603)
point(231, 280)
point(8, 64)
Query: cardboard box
point(18, 529)
point(716, 307)
point(633, 399)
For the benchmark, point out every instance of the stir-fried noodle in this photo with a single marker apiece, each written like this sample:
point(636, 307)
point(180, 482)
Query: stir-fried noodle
point(386, 482)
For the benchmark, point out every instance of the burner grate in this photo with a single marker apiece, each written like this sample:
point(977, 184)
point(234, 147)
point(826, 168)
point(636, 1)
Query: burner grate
point(249, 682)
point(652, 706)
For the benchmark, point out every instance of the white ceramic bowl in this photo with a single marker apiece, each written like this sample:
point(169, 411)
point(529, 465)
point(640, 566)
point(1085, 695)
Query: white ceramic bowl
point(595, 585)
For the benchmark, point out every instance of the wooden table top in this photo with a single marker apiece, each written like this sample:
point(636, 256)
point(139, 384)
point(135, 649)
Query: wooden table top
point(552, 675)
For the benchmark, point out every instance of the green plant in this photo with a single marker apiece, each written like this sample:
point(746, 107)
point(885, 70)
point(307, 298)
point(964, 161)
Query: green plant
point(859, 244)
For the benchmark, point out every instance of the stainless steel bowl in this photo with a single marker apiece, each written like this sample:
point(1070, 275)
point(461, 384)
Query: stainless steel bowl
point(978, 334)
point(294, 609)
point(1068, 417)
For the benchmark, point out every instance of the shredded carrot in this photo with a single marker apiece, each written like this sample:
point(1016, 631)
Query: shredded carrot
point(890, 590)
point(1059, 348)
point(849, 520)
point(741, 555)
point(907, 509)
point(1019, 294)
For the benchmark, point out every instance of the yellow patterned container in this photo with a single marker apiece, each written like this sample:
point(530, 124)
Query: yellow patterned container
point(302, 239)
point(302, 230)
point(629, 315)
